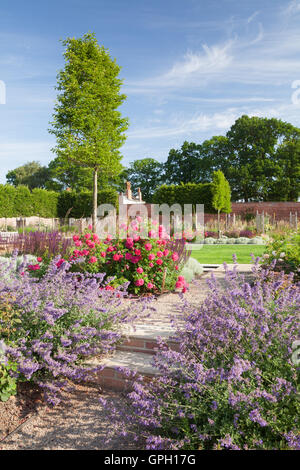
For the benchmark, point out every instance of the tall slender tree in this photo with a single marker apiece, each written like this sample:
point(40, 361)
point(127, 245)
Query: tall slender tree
point(86, 122)
point(221, 195)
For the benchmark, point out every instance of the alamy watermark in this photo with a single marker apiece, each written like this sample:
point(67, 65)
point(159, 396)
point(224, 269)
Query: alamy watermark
point(2, 92)
point(161, 221)
point(296, 94)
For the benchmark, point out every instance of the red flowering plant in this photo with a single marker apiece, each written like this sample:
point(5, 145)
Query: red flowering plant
point(150, 263)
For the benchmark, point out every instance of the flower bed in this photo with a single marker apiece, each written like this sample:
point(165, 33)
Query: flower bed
point(233, 383)
point(149, 264)
point(49, 326)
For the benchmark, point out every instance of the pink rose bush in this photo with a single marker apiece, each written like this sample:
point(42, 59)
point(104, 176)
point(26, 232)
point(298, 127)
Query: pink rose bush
point(149, 264)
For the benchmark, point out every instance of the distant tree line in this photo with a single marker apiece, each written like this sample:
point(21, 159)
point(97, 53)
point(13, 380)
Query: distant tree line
point(259, 157)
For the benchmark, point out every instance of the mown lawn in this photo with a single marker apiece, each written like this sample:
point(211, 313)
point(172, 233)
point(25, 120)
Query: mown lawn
point(217, 254)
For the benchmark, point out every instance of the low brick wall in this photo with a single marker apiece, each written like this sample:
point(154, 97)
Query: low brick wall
point(277, 210)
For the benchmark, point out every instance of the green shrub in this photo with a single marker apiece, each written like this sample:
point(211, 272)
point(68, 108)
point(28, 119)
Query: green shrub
point(45, 203)
point(191, 269)
point(8, 384)
point(242, 241)
point(209, 241)
point(78, 205)
point(285, 250)
point(189, 193)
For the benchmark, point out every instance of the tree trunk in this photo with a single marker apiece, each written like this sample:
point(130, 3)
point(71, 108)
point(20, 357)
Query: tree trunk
point(218, 224)
point(95, 202)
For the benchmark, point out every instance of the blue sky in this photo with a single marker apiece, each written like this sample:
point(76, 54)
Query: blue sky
point(190, 68)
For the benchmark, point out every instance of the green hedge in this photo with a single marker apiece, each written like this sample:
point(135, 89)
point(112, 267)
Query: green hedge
point(189, 193)
point(81, 203)
point(21, 202)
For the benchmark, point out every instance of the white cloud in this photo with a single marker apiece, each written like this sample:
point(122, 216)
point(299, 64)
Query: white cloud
point(292, 8)
point(209, 60)
point(251, 18)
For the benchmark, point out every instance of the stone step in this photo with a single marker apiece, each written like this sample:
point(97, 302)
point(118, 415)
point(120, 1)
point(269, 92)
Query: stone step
point(113, 379)
point(144, 344)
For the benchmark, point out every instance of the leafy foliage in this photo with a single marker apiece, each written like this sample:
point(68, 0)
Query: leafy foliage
point(283, 253)
point(232, 383)
point(146, 174)
point(65, 318)
point(150, 265)
point(32, 174)
point(87, 124)
point(189, 193)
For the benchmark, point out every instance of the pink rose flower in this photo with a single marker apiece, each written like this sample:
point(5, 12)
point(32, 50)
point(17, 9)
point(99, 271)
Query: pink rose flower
point(148, 246)
point(140, 270)
point(87, 236)
point(103, 254)
point(179, 285)
point(151, 256)
point(93, 259)
point(116, 257)
point(152, 234)
point(150, 285)
point(40, 259)
point(175, 256)
point(139, 282)
point(129, 243)
point(151, 265)
point(159, 254)
point(110, 248)
point(108, 287)
point(166, 252)
point(78, 243)
point(159, 261)
point(137, 252)
point(60, 262)
point(75, 238)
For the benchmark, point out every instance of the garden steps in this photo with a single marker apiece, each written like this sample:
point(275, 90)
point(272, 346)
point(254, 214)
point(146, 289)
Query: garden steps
point(139, 341)
point(144, 343)
point(112, 378)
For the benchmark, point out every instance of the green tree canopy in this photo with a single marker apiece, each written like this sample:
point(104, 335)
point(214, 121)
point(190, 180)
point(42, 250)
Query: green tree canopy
point(145, 174)
point(87, 124)
point(183, 166)
point(255, 159)
point(259, 157)
point(32, 174)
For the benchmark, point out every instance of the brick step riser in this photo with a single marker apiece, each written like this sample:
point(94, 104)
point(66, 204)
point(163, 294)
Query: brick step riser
point(143, 346)
point(111, 379)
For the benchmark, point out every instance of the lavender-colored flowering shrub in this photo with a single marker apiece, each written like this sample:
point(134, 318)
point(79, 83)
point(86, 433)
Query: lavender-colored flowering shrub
point(65, 318)
point(232, 384)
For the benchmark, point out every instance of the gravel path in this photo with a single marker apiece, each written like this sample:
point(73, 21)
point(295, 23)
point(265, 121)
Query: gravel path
point(80, 423)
